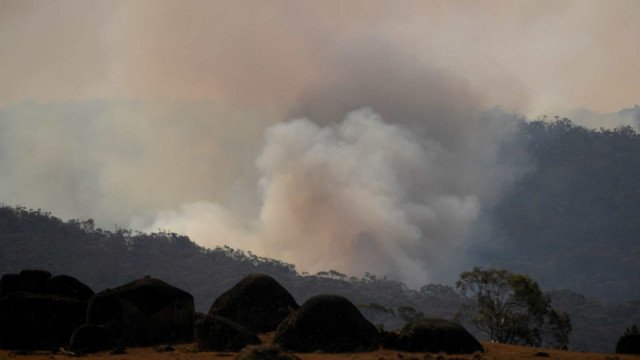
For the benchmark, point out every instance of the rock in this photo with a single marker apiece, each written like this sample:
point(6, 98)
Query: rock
point(329, 323)
point(164, 348)
point(67, 286)
point(144, 312)
point(389, 339)
point(216, 333)
point(38, 311)
point(628, 344)
point(41, 282)
point(9, 283)
point(38, 321)
point(437, 335)
point(257, 302)
point(90, 338)
point(29, 281)
point(265, 352)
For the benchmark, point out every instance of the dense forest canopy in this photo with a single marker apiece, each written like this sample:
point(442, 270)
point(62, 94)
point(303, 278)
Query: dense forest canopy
point(573, 221)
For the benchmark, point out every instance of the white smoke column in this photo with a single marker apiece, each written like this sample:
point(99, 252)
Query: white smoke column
point(357, 196)
point(342, 198)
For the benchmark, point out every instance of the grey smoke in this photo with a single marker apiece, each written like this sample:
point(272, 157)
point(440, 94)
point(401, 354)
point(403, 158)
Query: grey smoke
point(359, 195)
point(384, 166)
point(348, 135)
point(596, 120)
point(393, 187)
point(116, 160)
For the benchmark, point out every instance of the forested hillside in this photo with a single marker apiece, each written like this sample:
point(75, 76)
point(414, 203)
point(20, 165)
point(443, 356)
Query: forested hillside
point(104, 259)
point(573, 222)
point(570, 223)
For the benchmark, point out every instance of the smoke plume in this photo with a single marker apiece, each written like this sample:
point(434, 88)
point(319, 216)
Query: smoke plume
point(398, 183)
point(345, 197)
point(385, 167)
point(345, 135)
point(116, 160)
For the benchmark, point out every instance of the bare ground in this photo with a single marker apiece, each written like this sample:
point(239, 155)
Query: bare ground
point(185, 352)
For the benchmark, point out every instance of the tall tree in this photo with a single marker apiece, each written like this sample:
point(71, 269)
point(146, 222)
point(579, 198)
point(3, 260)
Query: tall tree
point(512, 309)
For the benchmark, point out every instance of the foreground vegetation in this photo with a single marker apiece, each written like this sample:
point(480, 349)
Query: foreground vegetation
point(511, 309)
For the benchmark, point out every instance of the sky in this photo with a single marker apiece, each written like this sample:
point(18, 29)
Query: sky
point(330, 134)
point(533, 56)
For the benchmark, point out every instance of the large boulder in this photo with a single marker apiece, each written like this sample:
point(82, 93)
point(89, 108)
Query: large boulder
point(9, 284)
point(144, 312)
point(628, 344)
point(437, 335)
point(29, 281)
point(216, 333)
point(257, 302)
point(41, 282)
point(38, 321)
point(328, 323)
point(38, 311)
point(67, 286)
point(90, 338)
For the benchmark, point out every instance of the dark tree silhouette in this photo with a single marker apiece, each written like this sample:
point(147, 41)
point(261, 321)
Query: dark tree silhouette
point(511, 308)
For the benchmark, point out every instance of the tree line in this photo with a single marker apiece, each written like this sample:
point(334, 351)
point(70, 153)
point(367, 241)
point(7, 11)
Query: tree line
point(105, 259)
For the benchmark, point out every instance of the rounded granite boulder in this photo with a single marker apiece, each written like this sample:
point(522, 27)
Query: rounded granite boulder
point(216, 333)
point(628, 344)
point(327, 323)
point(437, 335)
point(90, 338)
point(257, 302)
point(40, 312)
point(144, 312)
point(38, 321)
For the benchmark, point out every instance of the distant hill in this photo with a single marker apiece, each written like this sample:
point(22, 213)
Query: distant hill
point(574, 221)
point(570, 223)
point(104, 259)
point(596, 325)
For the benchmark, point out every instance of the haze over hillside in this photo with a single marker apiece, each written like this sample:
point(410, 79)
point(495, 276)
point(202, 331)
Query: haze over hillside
point(392, 138)
point(572, 221)
point(103, 259)
point(548, 198)
point(328, 135)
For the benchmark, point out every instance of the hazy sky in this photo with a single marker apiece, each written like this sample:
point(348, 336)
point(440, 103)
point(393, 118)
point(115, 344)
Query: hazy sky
point(533, 56)
point(331, 134)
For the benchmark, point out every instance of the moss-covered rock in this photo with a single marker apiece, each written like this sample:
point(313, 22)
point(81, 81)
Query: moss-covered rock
point(38, 311)
point(68, 286)
point(29, 281)
point(38, 321)
point(90, 338)
point(437, 335)
point(144, 312)
point(328, 323)
point(216, 333)
point(628, 344)
point(257, 302)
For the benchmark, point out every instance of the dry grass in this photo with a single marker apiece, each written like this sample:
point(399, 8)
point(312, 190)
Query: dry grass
point(185, 352)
